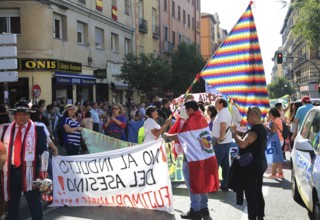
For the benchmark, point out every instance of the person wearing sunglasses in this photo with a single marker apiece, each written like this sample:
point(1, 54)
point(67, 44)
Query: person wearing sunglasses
point(116, 123)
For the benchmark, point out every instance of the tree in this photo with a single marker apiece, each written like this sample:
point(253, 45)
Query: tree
point(145, 72)
point(279, 87)
point(186, 63)
point(307, 20)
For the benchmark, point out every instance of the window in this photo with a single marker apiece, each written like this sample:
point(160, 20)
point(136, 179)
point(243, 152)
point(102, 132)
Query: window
point(165, 33)
point(193, 24)
point(184, 17)
point(10, 21)
point(59, 27)
point(173, 38)
point(140, 9)
point(165, 5)
point(179, 14)
point(179, 38)
point(305, 132)
point(80, 32)
point(173, 13)
point(99, 38)
point(127, 46)
point(188, 21)
point(127, 7)
point(114, 43)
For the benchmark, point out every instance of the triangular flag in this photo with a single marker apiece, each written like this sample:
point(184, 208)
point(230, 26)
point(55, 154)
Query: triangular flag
point(236, 69)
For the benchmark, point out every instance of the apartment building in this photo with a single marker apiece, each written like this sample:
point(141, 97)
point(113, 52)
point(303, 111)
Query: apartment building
point(301, 62)
point(208, 36)
point(179, 22)
point(147, 26)
point(70, 48)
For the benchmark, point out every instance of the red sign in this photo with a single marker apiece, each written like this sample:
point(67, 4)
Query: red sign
point(36, 90)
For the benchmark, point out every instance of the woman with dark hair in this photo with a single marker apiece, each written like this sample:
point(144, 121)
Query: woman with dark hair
point(152, 130)
point(116, 123)
point(71, 131)
point(211, 112)
point(276, 126)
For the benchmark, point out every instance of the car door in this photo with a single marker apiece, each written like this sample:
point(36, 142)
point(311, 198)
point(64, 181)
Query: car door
point(314, 137)
point(305, 162)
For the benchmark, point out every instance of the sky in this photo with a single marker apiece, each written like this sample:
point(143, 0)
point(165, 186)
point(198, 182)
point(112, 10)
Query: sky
point(269, 18)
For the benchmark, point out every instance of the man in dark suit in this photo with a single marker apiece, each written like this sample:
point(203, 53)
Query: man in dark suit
point(24, 143)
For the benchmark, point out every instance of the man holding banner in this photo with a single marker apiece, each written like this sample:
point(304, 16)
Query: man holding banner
point(200, 168)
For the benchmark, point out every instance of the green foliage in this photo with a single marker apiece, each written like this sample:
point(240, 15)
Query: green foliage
point(307, 21)
point(279, 87)
point(186, 63)
point(145, 72)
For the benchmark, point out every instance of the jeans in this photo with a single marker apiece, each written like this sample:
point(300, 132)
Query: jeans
point(197, 201)
point(222, 152)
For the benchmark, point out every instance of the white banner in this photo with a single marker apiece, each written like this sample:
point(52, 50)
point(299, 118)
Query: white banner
point(130, 177)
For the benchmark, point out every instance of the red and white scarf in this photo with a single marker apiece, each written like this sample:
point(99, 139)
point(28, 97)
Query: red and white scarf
point(29, 158)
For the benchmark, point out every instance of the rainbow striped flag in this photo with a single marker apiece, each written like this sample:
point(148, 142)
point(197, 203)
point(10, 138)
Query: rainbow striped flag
point(236, 69)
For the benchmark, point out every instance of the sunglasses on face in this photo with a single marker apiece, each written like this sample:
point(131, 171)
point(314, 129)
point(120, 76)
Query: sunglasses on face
point(114, 108)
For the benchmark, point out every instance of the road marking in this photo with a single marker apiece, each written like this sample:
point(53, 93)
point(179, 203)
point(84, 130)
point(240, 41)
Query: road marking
point(265, 190)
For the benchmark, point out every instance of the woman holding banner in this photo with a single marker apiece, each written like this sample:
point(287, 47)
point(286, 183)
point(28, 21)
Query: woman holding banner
point(276, 126)
point(152, 130)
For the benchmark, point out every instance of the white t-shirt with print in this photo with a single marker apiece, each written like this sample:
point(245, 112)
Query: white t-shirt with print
point(222, 116)
point(149, 125)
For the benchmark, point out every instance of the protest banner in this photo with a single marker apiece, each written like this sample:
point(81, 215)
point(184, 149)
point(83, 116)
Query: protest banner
point(274, 150)
point(97, 142)
point(128, 177)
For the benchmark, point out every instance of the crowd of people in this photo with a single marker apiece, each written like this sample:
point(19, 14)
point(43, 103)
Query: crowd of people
point(61, 127)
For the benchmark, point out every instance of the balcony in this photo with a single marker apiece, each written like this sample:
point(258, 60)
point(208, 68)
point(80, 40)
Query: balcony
point(155, 31)
point(168, 47)
point(143, 25)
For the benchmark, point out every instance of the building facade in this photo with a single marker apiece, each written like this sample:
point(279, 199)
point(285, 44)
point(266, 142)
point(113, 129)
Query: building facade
point(179, 22)
point(208, 39)
point(301, 62)
point(71, 49)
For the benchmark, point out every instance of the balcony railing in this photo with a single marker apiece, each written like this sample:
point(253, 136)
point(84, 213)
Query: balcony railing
point(168, 47)
point(155, 31)
point(143, 25)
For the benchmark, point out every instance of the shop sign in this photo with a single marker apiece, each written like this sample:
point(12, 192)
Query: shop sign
point(49, 64)
point(74, 81)
point(100, 73)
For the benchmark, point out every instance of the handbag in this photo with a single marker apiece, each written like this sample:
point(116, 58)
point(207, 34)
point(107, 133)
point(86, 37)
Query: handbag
point(245, 160)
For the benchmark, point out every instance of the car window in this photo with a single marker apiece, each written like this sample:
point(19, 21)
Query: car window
point(305, 130)
point(315, 131)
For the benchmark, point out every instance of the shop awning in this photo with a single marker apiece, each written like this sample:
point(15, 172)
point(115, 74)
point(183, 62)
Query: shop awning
point(74, 79)
point(120, 86)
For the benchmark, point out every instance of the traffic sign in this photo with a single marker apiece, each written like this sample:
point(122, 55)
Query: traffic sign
point(8, 64)
point(8, 58)
point(7, 39)
point(9, 76)
point(8, 51)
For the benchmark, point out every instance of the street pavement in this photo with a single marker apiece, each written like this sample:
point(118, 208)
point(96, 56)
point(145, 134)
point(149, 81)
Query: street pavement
point(222, 205)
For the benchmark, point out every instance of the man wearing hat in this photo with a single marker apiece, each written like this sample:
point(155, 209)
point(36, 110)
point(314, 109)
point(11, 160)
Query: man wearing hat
point(24, 143)
point(301, 112)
